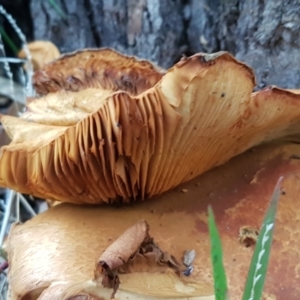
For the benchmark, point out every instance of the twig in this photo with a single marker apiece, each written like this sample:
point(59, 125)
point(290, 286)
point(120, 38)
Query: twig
point(9, 200)
point(27, 206)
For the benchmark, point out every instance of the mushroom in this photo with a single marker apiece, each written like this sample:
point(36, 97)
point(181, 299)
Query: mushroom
point(56, 254)
point(42, 52)
point(106, 141)
point(98, 68)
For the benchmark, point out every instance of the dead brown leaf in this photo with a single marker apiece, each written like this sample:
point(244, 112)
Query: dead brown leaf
point(133, 251)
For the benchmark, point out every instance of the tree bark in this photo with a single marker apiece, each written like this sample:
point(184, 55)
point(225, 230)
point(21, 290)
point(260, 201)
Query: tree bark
point(264, 34)
point(150, 29)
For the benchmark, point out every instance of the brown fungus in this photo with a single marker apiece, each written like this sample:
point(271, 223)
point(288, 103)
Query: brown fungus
point(53, 255)
point(103, 141)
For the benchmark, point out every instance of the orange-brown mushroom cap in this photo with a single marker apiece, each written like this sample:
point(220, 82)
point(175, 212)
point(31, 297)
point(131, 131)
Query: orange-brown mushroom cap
point(100, 145)
point(100, 68)
point(42, 52)
point(54, 254)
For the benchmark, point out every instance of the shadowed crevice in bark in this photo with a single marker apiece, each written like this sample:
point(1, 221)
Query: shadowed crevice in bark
point(90, 14)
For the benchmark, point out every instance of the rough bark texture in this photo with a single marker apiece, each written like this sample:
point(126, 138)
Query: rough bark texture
point(263, 33)
point(150, 29)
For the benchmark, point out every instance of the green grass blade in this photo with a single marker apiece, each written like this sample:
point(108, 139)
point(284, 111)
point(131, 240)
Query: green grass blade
point(58, 9)
point(220, 280)
point(260, 259)
point(8, 41)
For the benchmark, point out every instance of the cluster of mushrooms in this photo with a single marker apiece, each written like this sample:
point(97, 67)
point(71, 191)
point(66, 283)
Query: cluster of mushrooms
point(150, 149)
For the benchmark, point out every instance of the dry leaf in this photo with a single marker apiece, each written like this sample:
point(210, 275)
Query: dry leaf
point(133, 247)
point(248, 235)
point(125, 246)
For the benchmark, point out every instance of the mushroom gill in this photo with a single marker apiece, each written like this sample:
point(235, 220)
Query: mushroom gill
point(95, 143)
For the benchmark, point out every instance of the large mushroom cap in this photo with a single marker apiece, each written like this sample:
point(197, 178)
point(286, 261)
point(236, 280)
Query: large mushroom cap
point(103, 145)
point(53, 256)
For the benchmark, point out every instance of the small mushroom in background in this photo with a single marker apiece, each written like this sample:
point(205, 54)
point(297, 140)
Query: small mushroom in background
point(42, 52)
point(56, 254)
point(137, 129)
